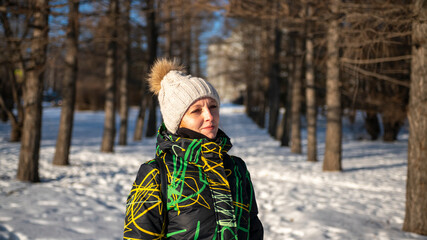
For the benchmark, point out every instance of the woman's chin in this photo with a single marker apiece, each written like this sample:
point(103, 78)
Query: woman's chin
point(210, 134)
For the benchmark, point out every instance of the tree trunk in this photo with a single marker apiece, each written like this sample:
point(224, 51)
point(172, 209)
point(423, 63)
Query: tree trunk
point(32, 96)
point(274, 88)
point(262, 84)
point(261, 105)
point(248, 101)
point(152, 55)
point(372, 125)
point(332, 158)
point(310, 93)
point(124, 105)
point(152, 118)
point(188, 41)
point(15, 133)
point(110, 82)
point(287, 115)
point(16, 71)
point(168, 30)
point(392, 122)
point(297, 98)
point(197, 67)
point(416, 187)
point(68, 93)
point(139, 127)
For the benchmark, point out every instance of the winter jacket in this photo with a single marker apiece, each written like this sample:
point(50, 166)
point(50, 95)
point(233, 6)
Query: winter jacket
point(210, 193)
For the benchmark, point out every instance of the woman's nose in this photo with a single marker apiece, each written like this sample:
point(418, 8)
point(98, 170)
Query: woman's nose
point(208, 115)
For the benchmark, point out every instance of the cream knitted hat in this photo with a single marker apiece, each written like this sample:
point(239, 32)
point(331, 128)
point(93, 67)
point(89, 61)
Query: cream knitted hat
point(177, 91)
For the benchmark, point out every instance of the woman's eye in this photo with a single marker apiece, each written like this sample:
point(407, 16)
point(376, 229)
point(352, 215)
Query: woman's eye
point(213, 106)
point(197, 110)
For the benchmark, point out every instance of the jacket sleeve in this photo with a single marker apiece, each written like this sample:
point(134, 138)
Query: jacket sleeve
point(256, 230)
point(144, 208)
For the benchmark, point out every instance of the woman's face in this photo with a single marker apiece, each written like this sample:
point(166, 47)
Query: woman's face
point(202, 117)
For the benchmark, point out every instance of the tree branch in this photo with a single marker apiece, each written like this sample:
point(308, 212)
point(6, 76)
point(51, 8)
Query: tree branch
point(376, 75)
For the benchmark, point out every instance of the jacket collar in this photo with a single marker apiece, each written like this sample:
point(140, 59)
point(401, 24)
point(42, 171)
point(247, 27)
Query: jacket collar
point(192, 149)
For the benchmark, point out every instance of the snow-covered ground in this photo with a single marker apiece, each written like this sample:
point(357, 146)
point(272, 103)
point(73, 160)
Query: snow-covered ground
point(296, 199)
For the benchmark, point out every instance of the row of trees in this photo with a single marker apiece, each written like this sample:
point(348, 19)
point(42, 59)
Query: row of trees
point(342, 56)
point(97, 54)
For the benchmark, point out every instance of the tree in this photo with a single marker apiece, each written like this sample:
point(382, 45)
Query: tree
point(32, 95)
point(110, 80)
point(140, 119)
point(274, 86)
point(125, 76)
point(297, 96)
point(375, 41)
point(332, 158)
point(416, 187)
point(68, 92)
point(152, 37)
point(310, 92)
point(14, 63)
point(287, 98)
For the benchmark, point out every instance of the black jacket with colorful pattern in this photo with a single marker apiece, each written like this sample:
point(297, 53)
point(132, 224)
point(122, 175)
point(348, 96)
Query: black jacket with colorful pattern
point(210, 193)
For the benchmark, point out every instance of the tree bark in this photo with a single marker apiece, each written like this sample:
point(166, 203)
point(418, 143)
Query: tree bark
point(32, 96)
point(274, 87)
point(17, 72)
point(152, 118)
point(188, 41)
point(152, 55)
point(262, 85)
point(124, 105)
point(68, 93)
point(15, 133)
point(297, 98)
point(310, 93)
point(392, 122)
point(168, 29)
point(287, 115)
point(332, 158)
point(372, 125)
point(416, 187)
point(139, 127)
point(110, 81)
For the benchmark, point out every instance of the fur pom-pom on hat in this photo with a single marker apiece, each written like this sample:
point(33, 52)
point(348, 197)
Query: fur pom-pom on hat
point(159, 70)
point(176, 91)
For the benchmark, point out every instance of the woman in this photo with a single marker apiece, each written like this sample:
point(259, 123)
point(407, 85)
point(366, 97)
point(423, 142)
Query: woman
point(209, 193)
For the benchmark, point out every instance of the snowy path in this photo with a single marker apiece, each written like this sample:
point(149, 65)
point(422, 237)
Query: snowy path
point(296, 200)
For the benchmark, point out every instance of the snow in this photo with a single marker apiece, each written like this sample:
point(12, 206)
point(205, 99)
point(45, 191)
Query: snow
point(296, 199)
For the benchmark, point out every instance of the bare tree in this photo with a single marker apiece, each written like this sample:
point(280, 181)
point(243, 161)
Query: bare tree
point(287, 98)
point(124, 105)
point(332, 158)
point(14, 63)
point(68, 92)
point(140, 119)
point(32, 95)
point(274, 86)
point(375, 62)
point(416, 187)
point(152, 43)
point(297, 96)
point(107, 144)
point(310, 92)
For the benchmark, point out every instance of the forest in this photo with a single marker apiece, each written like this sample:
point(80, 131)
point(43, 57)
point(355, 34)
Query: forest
point(295, 60)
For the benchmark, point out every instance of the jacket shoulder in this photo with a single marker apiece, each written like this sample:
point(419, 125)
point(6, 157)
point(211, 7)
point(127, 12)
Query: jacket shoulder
point(144, 215)
point(148, 169)
point(239, 163)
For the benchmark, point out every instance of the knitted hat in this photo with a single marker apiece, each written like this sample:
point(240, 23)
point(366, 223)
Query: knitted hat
point(177, 91)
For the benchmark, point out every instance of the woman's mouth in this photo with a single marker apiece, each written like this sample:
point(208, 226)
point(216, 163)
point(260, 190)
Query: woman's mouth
point(209, 128)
